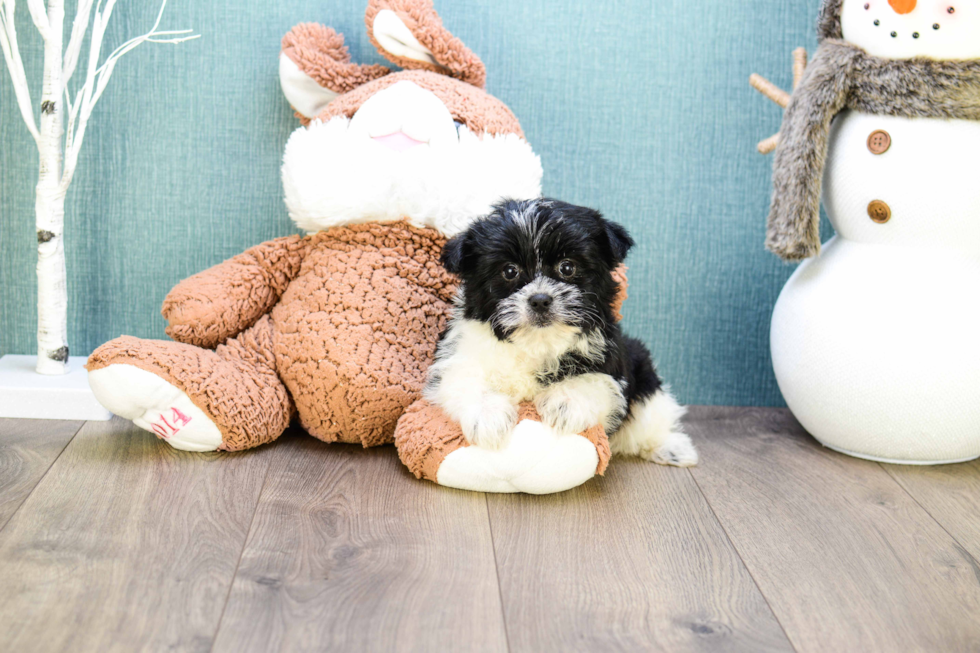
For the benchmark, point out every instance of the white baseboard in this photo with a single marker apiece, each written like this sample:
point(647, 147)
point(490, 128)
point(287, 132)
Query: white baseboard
point(26, 394)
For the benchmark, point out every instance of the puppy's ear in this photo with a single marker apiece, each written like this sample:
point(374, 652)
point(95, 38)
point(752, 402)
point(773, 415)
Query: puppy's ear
point(454, 253)
point(620, 240)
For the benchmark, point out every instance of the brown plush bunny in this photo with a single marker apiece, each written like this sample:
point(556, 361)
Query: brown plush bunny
point(339, 326)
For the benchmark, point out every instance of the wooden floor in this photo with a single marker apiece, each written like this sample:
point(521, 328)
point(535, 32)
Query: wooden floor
point(111, 540)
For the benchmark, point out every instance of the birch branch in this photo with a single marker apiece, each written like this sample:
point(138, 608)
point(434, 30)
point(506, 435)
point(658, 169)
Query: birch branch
point(40, 17)
point(78, 28)
point(94, 51)
point(97, 77)
point(11, 54)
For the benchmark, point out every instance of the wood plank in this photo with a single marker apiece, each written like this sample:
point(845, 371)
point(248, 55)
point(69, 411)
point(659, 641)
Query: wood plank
point(126, 545)
point(631, 561)
point(27, 449)
point(350, 552)
point(846, 558)
point(951, 494)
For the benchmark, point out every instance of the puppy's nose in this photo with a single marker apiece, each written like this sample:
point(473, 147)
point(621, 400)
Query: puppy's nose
point(540, 302)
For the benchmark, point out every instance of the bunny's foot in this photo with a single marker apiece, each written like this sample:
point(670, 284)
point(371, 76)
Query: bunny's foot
point(196, 399)
point(535, 459)
point(156, 406)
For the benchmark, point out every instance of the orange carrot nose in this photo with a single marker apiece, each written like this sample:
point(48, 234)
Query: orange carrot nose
point(902, 6)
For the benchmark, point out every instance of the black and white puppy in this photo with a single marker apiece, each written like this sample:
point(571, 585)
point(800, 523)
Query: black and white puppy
point(533, 321)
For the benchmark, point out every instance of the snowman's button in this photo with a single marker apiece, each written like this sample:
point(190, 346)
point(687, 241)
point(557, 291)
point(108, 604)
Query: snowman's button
point(879, 141)
point(879, 211)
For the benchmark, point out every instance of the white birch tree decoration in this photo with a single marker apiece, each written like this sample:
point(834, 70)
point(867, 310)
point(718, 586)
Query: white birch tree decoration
point(58, 145)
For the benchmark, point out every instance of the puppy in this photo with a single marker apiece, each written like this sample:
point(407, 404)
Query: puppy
point(533, 321)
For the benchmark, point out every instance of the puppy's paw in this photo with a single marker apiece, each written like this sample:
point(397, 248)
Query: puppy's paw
point(678, 451)
point(564, 414)
point(490, 424)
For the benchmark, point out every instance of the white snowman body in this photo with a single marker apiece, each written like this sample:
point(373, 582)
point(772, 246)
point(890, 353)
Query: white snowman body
point(876, 341)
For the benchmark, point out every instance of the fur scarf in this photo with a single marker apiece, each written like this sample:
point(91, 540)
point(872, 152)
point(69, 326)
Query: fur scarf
point(843, 76)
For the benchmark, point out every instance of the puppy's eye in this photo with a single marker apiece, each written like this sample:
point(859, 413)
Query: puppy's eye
point(510, 272)
point(566, 268)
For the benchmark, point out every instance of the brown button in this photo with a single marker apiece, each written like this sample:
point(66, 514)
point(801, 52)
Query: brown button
point(879, 211)
point(879, 141)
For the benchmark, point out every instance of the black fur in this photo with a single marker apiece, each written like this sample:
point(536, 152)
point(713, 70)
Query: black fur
point(536, 236)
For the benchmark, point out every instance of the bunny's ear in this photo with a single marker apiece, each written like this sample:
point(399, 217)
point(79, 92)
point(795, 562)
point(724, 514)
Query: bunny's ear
point(409, 33)
point(315, 67)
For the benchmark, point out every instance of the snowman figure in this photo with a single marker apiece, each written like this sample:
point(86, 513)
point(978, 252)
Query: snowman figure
point(876, 336)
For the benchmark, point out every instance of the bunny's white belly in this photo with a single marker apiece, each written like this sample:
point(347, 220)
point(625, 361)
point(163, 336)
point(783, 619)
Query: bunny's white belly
point(876, 342)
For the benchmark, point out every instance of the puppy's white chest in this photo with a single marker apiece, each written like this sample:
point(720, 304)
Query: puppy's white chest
point(512, 367)
point(514, 376)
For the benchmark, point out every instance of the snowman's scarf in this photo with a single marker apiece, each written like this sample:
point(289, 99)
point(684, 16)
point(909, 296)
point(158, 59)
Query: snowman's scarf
point(843, 76)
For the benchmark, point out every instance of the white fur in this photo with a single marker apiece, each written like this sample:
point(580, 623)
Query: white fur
point(654, 433)
point(486, 419)
point(481, 379)
point(515, 311)
point(580, 402)
point(525, 219)
point(335, 173)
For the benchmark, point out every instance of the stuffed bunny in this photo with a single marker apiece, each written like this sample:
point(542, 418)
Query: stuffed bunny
point(339, 326)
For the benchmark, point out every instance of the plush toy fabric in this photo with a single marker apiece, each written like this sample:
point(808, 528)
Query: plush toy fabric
point(536, 459)
point(337, 328)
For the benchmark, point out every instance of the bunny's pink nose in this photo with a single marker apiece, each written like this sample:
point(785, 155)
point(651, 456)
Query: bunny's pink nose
point(398, 141)
point(902, 6)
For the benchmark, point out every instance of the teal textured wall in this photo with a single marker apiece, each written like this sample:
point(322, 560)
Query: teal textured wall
point(640, 108)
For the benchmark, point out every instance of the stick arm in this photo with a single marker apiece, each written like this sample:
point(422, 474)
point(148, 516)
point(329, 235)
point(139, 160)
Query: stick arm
point(778, 95)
